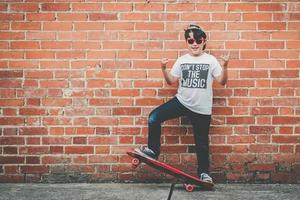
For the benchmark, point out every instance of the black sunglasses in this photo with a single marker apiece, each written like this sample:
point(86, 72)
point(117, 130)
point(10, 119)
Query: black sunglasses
point(192, 40)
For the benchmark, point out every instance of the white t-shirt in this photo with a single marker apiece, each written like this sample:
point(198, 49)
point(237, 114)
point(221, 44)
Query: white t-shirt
point(196, 79)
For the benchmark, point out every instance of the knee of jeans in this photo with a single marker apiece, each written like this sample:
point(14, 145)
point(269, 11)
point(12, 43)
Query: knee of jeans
point(152, 118)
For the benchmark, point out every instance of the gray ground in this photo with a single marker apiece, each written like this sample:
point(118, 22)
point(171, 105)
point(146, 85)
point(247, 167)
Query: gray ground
point(116, 191)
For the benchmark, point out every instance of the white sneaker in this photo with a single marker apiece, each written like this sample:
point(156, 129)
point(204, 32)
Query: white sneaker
point(147, 152)
point(205, 178)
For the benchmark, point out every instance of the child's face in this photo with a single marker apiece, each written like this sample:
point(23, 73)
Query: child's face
point(195, 46)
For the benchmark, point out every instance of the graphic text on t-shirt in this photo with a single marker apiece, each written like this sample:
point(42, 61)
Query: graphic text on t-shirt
point(194, 75)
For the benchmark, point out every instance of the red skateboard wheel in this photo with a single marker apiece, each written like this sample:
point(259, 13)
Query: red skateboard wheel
point(135, 162)
point(189, 187)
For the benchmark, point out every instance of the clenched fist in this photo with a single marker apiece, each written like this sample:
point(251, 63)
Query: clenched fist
point(164, 62)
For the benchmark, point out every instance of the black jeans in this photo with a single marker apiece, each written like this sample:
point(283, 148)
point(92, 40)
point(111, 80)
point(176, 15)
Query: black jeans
point(174, 109)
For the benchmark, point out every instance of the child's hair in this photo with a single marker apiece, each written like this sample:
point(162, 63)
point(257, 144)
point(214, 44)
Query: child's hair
point(197, 32)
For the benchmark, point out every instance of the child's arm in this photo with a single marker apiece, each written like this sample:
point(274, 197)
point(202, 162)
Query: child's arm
point(222, 79)
point(170, 79)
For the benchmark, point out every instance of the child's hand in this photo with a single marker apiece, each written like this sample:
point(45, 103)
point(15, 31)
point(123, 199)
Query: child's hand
point(225, 59)
point(164, 62)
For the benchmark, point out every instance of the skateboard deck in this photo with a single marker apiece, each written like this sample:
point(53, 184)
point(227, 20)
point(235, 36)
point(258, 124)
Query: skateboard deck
point(188, 180)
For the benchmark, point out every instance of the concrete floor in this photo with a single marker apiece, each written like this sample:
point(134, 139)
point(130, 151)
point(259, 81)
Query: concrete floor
point(116, 191)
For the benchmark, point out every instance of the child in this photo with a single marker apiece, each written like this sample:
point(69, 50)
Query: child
point(194, 72)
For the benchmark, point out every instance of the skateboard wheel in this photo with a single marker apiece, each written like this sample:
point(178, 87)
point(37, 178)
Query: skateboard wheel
point(135, 162)
point(189, 187)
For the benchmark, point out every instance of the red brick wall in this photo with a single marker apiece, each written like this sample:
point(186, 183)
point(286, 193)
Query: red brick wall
point(78, 81)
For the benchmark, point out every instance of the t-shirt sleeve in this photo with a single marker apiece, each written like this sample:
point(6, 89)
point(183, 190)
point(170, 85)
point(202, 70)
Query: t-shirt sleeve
point(176, 71)
point(216, 68)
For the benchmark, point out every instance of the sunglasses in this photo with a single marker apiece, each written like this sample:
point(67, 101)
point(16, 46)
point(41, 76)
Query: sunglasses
point(192, 40)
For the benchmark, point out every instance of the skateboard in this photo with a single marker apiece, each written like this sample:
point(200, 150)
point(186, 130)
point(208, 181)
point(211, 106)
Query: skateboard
point(188, 180)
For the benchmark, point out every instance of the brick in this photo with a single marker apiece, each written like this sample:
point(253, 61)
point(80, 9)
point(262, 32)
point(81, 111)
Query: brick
point(256, 17)
point(239, 45)
point(55, 160)
point(264, 111)
point(101, 83)
point(293, 63)
point(240, 120)
point(269, 64)
point(24, 7)
point(35, 150)
point(57, 26)
point(32, 111)
point(34, 169)
point(12, 141)
point(86, 6)
point(148, 102)
point(286, 130)
point(284, 35)
point(289, 83)
point(125, 92)
point(241, 26)
point(103, 121)
point(56, 141)
point(262, 167)
point(102, 140)
point(72, 17)
point(12, 16)
point(12, 121)
point(53, 84)
point(119, 7)
point(79, 150)
point(272, 7)
point(102, 16)
point(132, 54)
point(12, 36)
point(103, 159)
point(269, 45)
point(240, 139)
point(254, 74)
point(257, 54)
point(56, 150)
point(263, 148)
point(33, 131)
point(11, 102)
point(147, 84)
point(126, 111)
point(285, 74)
point(3, 7)
point(134, 16)
point(119, 26)
point(272, 26)
point(192, 16)
point(126, 131)
point(40, 16)
point(239, 158)
point(262, 130)
point(286, 139)
point(79, 140)
point(26, 26)
point(40, 54)
point(55, 7)
point(293, 44)
point(56, 102)
point(264, 93)
point(220, 149)
point(132, 74)
point(148, 7)
point(241, 7)
point(11, 160)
